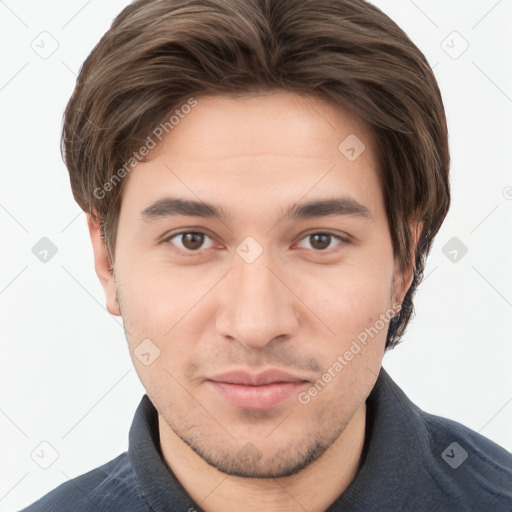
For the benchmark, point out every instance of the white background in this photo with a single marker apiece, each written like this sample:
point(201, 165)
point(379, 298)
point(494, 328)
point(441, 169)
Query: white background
point(67, 378)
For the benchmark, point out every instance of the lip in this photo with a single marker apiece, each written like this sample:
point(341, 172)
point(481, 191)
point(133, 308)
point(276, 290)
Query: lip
point(264, 390)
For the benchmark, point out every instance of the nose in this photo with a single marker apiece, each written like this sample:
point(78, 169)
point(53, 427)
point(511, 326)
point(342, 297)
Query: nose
point(258, 303)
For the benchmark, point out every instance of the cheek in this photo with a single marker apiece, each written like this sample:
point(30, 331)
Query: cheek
point(353, 302)
point(356, 309)
point(352, 295)
point(161, 305)
point(153, 290)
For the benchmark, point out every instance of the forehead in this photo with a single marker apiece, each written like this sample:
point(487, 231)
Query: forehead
point(269, 122)
point(274, 148)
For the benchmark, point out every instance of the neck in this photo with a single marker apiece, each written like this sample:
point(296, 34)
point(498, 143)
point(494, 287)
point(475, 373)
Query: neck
point(214, 491)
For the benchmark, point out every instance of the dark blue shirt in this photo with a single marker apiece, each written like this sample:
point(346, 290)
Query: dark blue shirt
point(412, 461)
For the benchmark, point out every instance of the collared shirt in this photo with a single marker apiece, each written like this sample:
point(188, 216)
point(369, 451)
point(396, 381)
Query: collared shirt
point(412, 461)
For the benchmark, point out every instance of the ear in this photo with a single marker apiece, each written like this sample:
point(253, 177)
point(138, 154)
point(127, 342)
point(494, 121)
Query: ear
point(102, 265)
point(403, 280)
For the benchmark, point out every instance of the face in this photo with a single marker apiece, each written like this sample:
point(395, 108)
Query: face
point(246, 319)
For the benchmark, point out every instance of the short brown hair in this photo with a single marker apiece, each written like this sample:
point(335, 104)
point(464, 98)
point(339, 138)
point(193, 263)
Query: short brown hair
point(159, 53)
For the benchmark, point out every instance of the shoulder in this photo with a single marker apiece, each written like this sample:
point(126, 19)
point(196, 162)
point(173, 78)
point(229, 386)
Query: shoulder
point(436, 463)
point(110, 487)
point(466, 465)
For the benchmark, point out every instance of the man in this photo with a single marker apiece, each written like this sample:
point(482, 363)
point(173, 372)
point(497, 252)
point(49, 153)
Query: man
point(264, 180)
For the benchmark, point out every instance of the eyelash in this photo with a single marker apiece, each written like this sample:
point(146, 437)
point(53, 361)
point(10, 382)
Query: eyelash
point(340, 239)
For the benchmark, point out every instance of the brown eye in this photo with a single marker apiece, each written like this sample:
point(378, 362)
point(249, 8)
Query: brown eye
point(191, 241)
point(319, 242)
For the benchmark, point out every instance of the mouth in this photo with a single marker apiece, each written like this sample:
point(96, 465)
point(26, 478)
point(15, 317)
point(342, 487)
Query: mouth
point(265, 390)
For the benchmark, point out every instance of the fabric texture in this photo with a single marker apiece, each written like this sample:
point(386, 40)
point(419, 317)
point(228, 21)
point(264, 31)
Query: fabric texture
point(413, 461)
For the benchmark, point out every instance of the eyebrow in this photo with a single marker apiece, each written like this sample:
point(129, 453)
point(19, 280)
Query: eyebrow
point(172, 206)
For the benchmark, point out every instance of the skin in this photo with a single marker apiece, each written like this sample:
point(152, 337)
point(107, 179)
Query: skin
point(297, 307)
